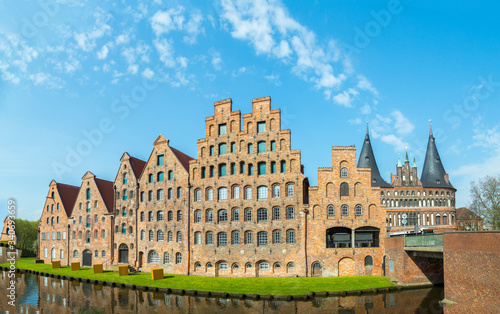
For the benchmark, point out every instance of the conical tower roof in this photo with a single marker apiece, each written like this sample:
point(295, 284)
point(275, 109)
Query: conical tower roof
point(433, 173)
point(367, 160)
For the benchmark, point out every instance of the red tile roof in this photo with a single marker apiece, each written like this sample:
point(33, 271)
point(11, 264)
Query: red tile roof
point(107, 192)
point(137, 166)
point(68, 194)
point(464, 213)
point(183, 158)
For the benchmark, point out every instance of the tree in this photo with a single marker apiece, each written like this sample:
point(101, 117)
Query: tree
point(26, 234)
point(485, 196)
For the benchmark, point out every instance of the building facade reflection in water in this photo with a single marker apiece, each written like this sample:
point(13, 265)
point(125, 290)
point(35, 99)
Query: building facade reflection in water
point(37, 294)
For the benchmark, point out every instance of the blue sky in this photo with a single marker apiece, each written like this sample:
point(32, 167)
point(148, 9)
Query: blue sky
point(81, 82)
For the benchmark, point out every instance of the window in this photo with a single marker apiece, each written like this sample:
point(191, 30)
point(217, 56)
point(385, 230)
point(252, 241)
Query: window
point(242, 167)
point(264, 266)
point(262, 238)
point(43, 238)
point(248, 237)
point(233, 168)
point(261, 168)
point(170, 215)
point(248, 214)
point(368, 261)
point(222, 194)
point(151, 235)
point(210, 217)
point(344, 189)
point(273, 167)
point(250, 148)
point(289, 190)
point(197, 195)
point(88, 207)
point(170, 236)
point(262, 192)
point(222, 148)
point(250, 169)
point(178, 258)
point(203, 172)
point(61, 254)
point(103, 233)
point(150, 178)
point(153, 257)
point(160, 160)
point(143, 235)
point(159, 236)
point(235, 238)
point(143, 216)
point(330, 211)
point(88, 221)
point(124, 229)
point(170, 193)
point(262, 214)
point(276, 191)
point(223, 266)
point(96, 253)
point(236, 214)
point(150, 216)
point(197, 238)
point(344, 210)
point(248, 193)
point(290, 213)
point(276, 213)
point(179, 192)
point(358, 210)
point(210, 194)
point(261, 127)
point(159, 176)
point(222, 239)
point(211, 171)
point(290, 237)
point(179, 215)
point(170, 175)
point(88, 194)
point(159, 194)
point(160, 216)
point(236, 192)
point(166, 258)
point(277, 237)
point(211, 150)
point(103, 253)
point(261, 147)
point(233, 147)
point(150, 195)
point(222, 215)
point(273, 146)
point(344, 173)
point(222, 129)
point(59, 235)
point(75, 253)
point(142, 197)
point(283, 166)
point(197, 216)
point(209, 238)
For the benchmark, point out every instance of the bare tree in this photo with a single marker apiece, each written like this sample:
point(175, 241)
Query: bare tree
point(485, 195)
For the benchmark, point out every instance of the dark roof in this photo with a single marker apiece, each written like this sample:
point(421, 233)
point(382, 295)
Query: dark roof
point(137, 166)
point(367, 160)
point(183, 158)
point(68, 195)
point(464, 213)
point(433, 173)
point(107, 193)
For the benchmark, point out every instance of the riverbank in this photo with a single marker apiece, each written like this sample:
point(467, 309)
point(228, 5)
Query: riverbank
point(263, 286)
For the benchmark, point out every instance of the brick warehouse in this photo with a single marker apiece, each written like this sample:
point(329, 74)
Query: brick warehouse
point(242, 208)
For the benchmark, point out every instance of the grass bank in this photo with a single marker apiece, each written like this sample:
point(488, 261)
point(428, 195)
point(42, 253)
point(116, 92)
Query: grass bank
point(260, 285)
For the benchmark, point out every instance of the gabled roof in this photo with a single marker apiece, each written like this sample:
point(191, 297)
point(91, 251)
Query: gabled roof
point(107, 193)
point(137, 166)
point(183, 158)
point(464, 213)
point(68, 195)
point(433, 173)
point(367, 160)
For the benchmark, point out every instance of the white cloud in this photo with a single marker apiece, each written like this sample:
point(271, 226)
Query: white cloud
point(165, 21)
point(488, 138)
point(274, 79)
point(216, 59)
point(87, 40)
point(346, 97)
point(45, 79)
point(166, 51)
point(103, 53)
point(133, 68)
point(397, 142)
point(148, 73)
point(402, 125)
point(392, 129)
point(194, 28)
point(365, 84)
point(238, 72)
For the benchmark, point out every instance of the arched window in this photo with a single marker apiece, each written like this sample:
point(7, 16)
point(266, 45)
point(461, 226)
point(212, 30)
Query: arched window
point(178, 258)
point(261, 147)
point(262, 214)
point(248, 237)
point(368, 261)
point(88, 194)
point(236, 214)
point(166, 258)
point(197, 238)
point(264, 266)
point(150, 178)
point(179, 215)
point(358, 210)
point(209, 238)
point(222, 170)
point(159, 176)
point(124, 229)
point(143, 216)
point(159, 236)
point(262, 192)
point(250, 148)
point(276, 213)
point(143, 235)
point(222, 148)
point(290, 213)
point(222, 194)
point(170, 175)
point(210, 216)
point(170, 236)
point(248, 214)
point(273, 146)
point(344, 210)
point(197, 216)
point(153, 257)
point(151, 235)
point(150, 216)
point(222, 239)
point(248, 193)
point(276, 237)
point(236, 192)
point(222, 215)
point(159, 195)
point(124, 195)
point(235, 238)
point(330, 211)
point(290, 237)
point(344, 189)
point(179, 237)
point(283, 166)
point(197, 195)
point(170, 215)
point(75, 253)
point(160, 215)
point(262, 238)
point(289, 190)
point(344, 173)
point(179, 192)
point(210, 194)
point(170, 193)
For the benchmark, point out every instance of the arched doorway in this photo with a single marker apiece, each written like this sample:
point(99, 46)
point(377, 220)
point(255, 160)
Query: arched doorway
point(262, 268)
point(141, 256)
point(347, 267)
point(123, 253)
point(316, 269)
point(87, 258)
point(221, 268)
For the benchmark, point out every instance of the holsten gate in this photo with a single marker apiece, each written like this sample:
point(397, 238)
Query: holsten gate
point(243, 207)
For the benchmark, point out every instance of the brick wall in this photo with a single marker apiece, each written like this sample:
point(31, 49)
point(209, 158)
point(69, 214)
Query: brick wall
point(471, 271)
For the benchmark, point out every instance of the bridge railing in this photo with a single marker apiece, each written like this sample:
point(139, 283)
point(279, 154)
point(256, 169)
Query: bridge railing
point(428, 240)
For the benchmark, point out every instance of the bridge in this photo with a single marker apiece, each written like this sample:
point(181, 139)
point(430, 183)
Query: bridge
point(429, 245)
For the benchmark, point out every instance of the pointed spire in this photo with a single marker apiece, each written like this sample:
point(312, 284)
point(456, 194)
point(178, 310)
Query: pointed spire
point(399, 161)
point(414, 163)
point(407, 160)
point(430, 122)
point(433, 173)
point(367, 160)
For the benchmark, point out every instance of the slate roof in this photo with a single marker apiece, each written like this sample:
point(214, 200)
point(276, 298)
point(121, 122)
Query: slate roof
point(367, 160)
point(433, 173)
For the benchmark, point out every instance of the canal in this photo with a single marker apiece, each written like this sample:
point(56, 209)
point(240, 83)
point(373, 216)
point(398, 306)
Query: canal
point(39, 294)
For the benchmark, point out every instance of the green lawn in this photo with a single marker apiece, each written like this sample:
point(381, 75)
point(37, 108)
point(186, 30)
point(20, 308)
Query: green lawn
point(261, 285)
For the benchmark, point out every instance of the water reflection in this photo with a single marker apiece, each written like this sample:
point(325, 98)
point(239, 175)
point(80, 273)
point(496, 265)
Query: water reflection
point(37, 294)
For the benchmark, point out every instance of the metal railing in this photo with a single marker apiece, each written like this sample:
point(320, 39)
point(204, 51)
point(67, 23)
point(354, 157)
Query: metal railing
point(428, 240)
